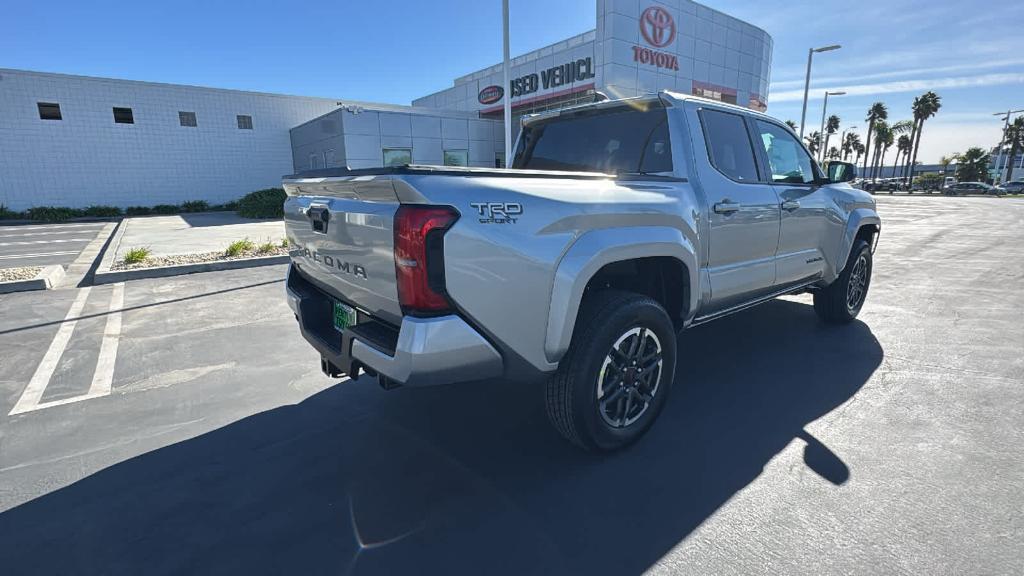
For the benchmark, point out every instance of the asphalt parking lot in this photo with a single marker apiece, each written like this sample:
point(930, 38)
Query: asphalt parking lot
point(45, 244)
point(182, 425)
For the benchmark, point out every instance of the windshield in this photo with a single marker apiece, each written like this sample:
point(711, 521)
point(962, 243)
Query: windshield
point(615, 140)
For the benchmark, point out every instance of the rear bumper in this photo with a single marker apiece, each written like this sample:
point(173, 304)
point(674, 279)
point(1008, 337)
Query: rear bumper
point(425, 351)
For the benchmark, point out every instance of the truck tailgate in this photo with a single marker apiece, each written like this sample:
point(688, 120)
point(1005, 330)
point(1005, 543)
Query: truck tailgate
point(340, 234)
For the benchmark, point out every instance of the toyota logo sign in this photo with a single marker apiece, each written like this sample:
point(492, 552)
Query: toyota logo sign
point(657, 26)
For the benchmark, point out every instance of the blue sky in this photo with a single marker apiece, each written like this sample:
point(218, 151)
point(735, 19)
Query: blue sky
point(396, 50)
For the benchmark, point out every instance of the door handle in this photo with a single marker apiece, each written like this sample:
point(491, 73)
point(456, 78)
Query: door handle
point(726, 207)
point(790, 205)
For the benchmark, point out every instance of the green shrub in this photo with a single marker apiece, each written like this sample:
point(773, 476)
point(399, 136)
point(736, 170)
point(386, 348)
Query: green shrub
point(165, 209)
point(102, 211)
point(136, 255)
point(284, 242)
point(53, 213)
point(230, 206)
point(266, 248)
point(138, 210)
point(8, 214)
point(267, 203)
point(195, 206)
point(239, 246)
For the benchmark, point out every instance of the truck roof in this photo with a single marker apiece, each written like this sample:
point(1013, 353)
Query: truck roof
point(664, 96)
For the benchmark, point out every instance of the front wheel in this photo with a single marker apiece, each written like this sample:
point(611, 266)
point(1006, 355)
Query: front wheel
point(841, 301)
point(615, 378)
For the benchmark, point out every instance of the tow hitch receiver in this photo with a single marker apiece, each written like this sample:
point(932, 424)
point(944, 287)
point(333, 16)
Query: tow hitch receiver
point(330, 369)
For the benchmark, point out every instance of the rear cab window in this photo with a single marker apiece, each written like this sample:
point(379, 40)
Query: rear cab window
point(629, 139)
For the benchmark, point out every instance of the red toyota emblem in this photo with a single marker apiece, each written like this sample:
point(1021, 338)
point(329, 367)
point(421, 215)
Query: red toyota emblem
point(657, 26)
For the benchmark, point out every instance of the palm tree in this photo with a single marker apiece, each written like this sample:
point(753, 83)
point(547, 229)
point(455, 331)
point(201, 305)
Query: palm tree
point(849, 144)
point(831, 127)
point(881, 132)
point(833, 153)
point(900, 128)
point(925, 106)
point(1015, 140)
point(877, 112)
point(885, 139)
point(859, 149)
point(903, 144)
point(972, 166)
point(915, 107)
point(813, 143)
point(792, 125)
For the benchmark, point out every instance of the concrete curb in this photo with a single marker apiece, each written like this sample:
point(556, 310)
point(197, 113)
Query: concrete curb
point(78, 271)
point(107, 276)
point(47, 278)
point(110, 253)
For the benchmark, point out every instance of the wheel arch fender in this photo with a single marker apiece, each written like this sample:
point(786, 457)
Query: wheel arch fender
point(594, 250)
point(859, 218)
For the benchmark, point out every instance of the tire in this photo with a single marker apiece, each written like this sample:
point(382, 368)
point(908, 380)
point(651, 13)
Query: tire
point(842, 300)
point(610, 319)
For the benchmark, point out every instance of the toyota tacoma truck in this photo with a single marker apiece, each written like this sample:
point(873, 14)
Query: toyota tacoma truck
point(619, 224)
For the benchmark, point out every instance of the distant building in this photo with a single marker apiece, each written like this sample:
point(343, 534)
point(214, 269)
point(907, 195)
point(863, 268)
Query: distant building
point(77, 141)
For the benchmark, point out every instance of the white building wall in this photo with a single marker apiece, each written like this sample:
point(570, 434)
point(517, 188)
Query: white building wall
point(366, 129)
point(86, 159)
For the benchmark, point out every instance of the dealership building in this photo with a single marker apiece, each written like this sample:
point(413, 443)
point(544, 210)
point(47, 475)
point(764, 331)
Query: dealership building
point(78, 141)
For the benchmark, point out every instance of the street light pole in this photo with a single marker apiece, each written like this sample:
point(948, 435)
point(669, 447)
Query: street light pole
point(507, 89)
point(824, 108)
point(807, 82)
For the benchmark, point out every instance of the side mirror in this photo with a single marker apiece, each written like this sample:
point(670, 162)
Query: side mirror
point(840, 171)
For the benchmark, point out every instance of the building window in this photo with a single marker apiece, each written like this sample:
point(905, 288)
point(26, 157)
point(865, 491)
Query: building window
point(187, 119)
point(499, 159)
point(397, 156)
point(328, 158)
point(456, 157)
point(314, 161)
point(244, 122)
point(49, 111)
point(123, 116)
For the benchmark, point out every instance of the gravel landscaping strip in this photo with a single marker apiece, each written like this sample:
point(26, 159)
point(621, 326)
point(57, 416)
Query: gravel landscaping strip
point(159, 261)
point(21, 273)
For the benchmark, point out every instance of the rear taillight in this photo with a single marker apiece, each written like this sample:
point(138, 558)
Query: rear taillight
point(419, 257)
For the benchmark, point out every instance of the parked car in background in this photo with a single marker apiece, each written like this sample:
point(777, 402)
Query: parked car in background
point(965, 188)
point(1014, 187)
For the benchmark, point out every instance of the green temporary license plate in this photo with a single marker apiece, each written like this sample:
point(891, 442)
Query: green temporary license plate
point(344, 316)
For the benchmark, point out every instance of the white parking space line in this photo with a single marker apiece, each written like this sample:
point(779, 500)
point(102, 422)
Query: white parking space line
point(55, 241)
point(39, 255)
point(9, 234)
point(103, 379)
point(41, 379)
point(96, 225)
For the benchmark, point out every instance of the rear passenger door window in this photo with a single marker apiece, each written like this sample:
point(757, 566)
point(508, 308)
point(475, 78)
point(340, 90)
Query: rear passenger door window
point(729, 148)
point(788, 161)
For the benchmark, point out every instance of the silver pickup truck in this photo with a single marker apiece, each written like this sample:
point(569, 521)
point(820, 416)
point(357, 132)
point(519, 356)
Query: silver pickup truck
point(620, 224)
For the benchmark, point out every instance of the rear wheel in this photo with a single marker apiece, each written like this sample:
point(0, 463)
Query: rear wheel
point(841, 301)
point(614, 380)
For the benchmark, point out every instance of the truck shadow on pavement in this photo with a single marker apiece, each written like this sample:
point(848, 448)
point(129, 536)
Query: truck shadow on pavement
point(459, 479)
